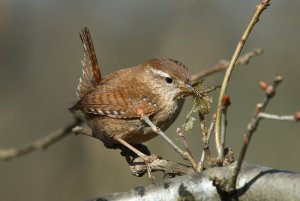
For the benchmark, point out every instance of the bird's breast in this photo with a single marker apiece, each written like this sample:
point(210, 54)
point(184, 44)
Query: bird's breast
point(168, 114)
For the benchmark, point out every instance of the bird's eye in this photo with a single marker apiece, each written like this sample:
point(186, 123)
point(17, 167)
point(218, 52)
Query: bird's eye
point(169, 80)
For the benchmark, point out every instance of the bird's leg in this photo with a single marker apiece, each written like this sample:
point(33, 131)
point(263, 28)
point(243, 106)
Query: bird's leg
point(147, 159)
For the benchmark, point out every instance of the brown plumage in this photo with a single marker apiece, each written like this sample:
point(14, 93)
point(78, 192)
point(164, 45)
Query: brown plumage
point(113, 106)
point(91, 75)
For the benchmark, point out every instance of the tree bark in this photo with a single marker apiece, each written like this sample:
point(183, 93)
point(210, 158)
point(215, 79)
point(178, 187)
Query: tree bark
point(255, 182)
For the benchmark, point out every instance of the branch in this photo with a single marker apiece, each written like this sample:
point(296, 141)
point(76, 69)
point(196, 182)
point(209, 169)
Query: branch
point(137, 164)
point(169, 168)
point(206, 155)
point(40, 144)
point(185, 154)
point(278, 117)
point(255, 183)
point(259, 9)
point(224, 122)
point(223, 64)
point(270, 91)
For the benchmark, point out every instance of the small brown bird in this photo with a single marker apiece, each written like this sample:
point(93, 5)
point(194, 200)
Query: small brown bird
point(113, 106)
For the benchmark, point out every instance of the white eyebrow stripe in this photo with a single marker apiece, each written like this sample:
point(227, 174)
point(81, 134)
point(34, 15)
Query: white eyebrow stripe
point(161, 73)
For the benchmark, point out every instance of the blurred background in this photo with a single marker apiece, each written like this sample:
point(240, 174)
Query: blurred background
point(40, 53)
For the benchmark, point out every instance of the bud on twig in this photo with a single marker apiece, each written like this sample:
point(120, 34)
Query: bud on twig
point(278, 79)
point(270, 91)
point(263, 85)
point(226, 101)
point(297, 116)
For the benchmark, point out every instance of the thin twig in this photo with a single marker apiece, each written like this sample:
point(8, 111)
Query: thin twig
point(206, 152)
point(87, 131)
point(223, 128)
point(269, 93)
point(259, 9)
point(185, 155)
point(225, 105)
point(43, 143)
point(181, 138)
point(223, 64)
point(203, 127)
point(277, 117)
point(204, 137)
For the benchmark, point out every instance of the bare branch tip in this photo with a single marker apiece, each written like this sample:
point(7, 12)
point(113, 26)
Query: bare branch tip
point(278, 79)
point(259, 51)
point(297, 116)
point(265, 2)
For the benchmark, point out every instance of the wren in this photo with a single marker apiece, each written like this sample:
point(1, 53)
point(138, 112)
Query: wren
point(113, 106)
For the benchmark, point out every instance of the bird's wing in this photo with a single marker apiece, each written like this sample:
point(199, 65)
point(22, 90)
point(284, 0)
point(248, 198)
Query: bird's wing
point(118, 102)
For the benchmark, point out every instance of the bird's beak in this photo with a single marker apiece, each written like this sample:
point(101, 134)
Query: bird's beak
point(187, 90)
